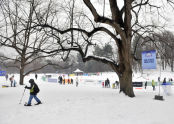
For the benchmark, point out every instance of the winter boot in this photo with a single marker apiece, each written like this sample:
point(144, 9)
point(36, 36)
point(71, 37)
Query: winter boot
point(27, 104)
point(38, 103)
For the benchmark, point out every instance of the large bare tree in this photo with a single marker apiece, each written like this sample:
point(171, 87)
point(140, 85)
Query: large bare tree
point(109, 21)
point(116, 21)
point(18, 36)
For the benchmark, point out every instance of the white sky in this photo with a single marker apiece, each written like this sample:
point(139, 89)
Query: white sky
point(145, 16)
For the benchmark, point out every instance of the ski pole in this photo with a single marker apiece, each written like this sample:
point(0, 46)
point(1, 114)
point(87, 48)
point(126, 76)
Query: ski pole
point(22, 96)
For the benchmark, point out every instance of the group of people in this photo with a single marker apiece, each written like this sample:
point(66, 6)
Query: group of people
point(12, 80)
point(34, 89)
point(62, 80)
point(106, 83)
point(154, 83)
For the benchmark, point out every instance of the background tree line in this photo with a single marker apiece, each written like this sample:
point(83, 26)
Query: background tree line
point(64, 67)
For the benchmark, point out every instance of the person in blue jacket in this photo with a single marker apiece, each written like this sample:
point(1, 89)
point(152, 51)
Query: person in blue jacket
point(34, 89)
point(164, 81)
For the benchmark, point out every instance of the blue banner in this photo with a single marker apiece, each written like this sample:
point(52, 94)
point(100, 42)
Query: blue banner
point(2, 73)
point(52, 80)
point(149, 59)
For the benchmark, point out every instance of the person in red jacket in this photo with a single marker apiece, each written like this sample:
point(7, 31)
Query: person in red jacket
point(34, 89)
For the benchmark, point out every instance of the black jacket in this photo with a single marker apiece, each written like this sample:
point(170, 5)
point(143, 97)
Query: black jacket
point(33, 88)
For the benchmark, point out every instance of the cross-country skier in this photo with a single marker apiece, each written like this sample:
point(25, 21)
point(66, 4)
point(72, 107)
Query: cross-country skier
point(36, 76)
point(34, 89)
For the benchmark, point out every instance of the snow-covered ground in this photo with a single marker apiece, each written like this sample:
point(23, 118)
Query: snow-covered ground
point(87, 104)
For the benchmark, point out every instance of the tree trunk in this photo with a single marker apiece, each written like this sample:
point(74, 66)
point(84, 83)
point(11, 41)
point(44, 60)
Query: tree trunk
point(21, 81)
point(172, 64)
point(124, 70)
point(162, 63)
point(125, 56)
point(126, 83)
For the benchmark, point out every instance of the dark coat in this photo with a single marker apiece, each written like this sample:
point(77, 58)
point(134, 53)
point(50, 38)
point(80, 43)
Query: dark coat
point(33, 88)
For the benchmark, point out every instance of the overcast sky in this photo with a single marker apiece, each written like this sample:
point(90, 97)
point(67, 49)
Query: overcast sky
point(146, 16)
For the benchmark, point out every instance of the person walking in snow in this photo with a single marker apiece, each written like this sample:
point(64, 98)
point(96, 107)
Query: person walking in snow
point(60, 79)
point(71, 81)
point(108, 83)
point(117, 84)
point(145, 85)
point(6, 76)
point(63, 81)
point(34, 89)
point(36, 76)
point(103, 84)
point(164, 81)
point(153, 84)
point(164, 85)
point(12, 81)
point(77, 82)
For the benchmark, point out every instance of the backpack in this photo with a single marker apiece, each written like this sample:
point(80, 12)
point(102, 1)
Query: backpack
point(36, 89)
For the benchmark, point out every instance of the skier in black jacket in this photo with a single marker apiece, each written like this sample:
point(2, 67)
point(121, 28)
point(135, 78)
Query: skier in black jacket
point(34, 89)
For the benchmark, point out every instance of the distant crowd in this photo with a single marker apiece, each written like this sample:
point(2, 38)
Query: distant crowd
point(63, 81)
point(106, 84)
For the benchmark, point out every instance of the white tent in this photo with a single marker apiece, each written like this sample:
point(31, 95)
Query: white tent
point(78, 71)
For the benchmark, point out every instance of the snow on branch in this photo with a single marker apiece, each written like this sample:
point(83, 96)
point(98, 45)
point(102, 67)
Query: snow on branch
point(101, 59)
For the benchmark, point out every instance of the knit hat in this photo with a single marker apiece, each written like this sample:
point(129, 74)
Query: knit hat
point(31, 81)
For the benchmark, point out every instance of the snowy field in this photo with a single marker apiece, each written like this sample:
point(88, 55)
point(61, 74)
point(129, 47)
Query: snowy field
point(87, 104)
